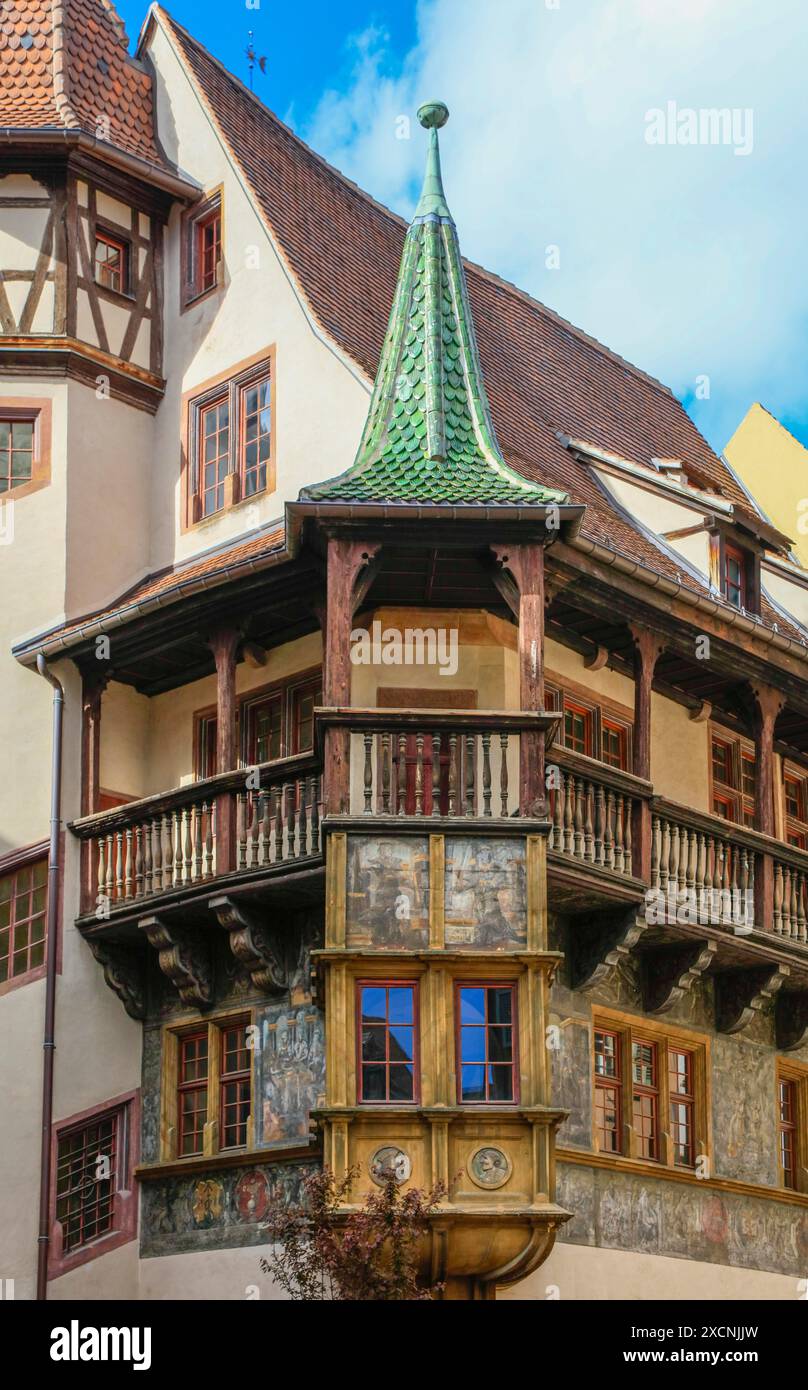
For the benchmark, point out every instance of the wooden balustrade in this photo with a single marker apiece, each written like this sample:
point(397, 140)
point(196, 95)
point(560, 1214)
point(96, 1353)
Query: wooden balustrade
point(702, 868)
point(790, 899)
point(145, 849)
point(592, 812)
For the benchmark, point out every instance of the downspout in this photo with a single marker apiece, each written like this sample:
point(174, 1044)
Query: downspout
point(51, 942)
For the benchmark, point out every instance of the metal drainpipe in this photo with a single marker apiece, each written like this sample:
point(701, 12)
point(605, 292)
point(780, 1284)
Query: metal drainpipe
point(51, 944)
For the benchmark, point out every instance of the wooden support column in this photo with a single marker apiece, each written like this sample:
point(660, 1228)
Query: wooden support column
point(224, 645)
point(647, 649)
point(93, 685)
point(767, 705)
point(348, 576)
point(525, 563)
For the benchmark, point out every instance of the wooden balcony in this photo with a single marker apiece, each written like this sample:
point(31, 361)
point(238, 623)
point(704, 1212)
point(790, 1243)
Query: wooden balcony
point(172, 849)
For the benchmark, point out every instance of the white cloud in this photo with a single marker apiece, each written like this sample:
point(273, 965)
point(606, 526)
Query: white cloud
point(687, 259)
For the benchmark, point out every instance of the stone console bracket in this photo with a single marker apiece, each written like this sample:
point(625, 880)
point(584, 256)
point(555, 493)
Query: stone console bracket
point(183, 958)
point(253, 945)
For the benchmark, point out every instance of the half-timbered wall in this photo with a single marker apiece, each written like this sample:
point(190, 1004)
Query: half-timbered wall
point(32, 258)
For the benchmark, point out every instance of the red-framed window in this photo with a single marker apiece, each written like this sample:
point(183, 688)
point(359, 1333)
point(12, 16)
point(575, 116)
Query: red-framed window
point(255, 413)
point(578, 728)
point(681, 1096)
point(234, 1087)
point(614, 744)
point(17, 451)
point(734, 578)
point(23, 911)
point(787, 1130)
point(795, 797)
point(213, 463)
point(208, 237)
point(263, 724)
point(305, 699)
point(645, 1097)
point(87, 1172)
point(192, 1092)
point(734, 774)
point(388, 1043)
point(111, 262)
point(608, 1091)
point(486, 1044)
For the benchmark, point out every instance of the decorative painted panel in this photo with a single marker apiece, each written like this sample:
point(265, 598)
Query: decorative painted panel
point(485, 895)
point(226, 1207)
point(743, 1111)
point(290, 1072)
point(388, 893)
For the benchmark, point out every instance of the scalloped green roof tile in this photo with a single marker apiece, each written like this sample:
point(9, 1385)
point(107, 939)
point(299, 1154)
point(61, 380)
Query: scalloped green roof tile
point(429, 436)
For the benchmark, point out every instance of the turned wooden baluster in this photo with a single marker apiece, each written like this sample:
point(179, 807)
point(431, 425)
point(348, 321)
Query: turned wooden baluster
point(619, 803)
point(315, 812)
point(578, 818)
point(168, 856)
point(266, 825)
point(289, 802)
point(557, 812)
point(589, 847)
point(402, 775)
point(628, 860)
point(302, 821)
point(368, 773)
point(608, 838)
point(569, 814)
point(386, 774)
point(470, 787)
point(138, 883)
point(178, 839)
point(802, 921)
point(207, 812)
point(254, 830)
point(600, 825)
point(436, 745)
point(111, 866)
point(145, 834)
point(690, 870)
point(119, 864)
point(655, 842)
point(486, 742)
point(157, 853)
point(101, 879)
point(419, 774)
point(452, 774)
point(503, 774)
point(277, 838)
point(189, 845)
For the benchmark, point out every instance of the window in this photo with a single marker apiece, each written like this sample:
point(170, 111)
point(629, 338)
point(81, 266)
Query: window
point(93, 1193)
point(305, 699)
point(792, 1125)
point(608, 1091)
point(594, 730)
point(23, 908)
point(734, 775)
point(111, 262)
point(264, 729)
point(650, 1092)
point(486, 1044)
point(795, 797)
point(228, 441)
point(25, 445)
point(202, 246)
point(273, 723)
point(734, 576)
point(387, 1043)
point(207, 1088)
point(214, 459)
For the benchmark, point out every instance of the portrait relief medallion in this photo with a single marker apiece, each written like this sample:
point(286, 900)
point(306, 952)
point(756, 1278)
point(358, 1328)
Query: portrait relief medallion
point(390, 1162)
point(489, 1168)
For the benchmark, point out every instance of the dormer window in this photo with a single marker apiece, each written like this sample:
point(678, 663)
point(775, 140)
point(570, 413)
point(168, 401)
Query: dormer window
point(734, 586)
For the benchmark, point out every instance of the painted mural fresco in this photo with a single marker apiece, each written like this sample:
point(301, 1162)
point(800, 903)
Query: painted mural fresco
point(290, 1072)
point(485, 898)
point(388, 893)
point(626, 1212)
point(743, 1109)
point(226, 1207)
point(570, 1051)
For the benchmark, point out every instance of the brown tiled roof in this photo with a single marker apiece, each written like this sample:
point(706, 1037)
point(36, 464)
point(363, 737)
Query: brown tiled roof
point(66, 64)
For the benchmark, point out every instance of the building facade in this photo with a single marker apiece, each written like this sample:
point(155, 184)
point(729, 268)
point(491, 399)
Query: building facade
point(432, 777)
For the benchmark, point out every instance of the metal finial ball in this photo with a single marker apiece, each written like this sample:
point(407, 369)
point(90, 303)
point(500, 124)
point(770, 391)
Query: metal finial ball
point(433, 113)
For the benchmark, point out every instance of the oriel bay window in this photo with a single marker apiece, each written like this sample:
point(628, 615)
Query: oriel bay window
point(486, 1044)
point(207, 1088)
point(387, 1024)
point(229, 443)
point(650, 1092)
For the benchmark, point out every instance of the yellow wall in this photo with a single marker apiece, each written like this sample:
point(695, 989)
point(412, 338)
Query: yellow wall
point(773, 465)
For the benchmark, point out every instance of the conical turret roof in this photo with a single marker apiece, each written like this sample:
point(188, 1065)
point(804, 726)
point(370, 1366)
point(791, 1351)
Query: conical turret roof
point(429, 437)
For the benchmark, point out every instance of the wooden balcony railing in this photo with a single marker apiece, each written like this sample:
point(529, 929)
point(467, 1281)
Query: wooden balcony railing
point(703, 866)
point(790, 894)
point(430, 764)
point(233, 823)
point(594, 811)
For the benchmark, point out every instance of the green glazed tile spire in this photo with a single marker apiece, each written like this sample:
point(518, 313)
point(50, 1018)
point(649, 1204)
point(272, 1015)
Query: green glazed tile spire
point(429, 437)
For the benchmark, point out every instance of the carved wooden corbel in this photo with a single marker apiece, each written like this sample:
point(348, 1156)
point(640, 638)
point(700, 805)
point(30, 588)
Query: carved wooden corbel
point(791, 1019)
point(597, 659)
point(669, 972)
point(124, 973)
point(741, 994)
point(599, 953)
point(253, 945)
point(183, 958)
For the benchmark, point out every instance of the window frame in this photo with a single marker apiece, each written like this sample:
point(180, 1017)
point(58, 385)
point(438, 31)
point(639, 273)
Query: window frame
point(170, 1127)
point(387, 983)
point(732, 794)
point(287, 690)
point(796, 1074)
point(603, 714)
point(723, 547)
point(229, 387)
point(486, 983)
point(631, 1029)
point(126, 1109)
point(209, 207)
point(37, 410)
point(796, 826)
point(11, 864)
point(124, 246)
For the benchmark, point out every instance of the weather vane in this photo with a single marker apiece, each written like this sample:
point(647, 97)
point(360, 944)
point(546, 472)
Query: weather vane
point(253, 58)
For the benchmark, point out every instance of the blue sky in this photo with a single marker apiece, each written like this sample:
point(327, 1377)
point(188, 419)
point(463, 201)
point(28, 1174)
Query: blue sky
point(688, 258)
